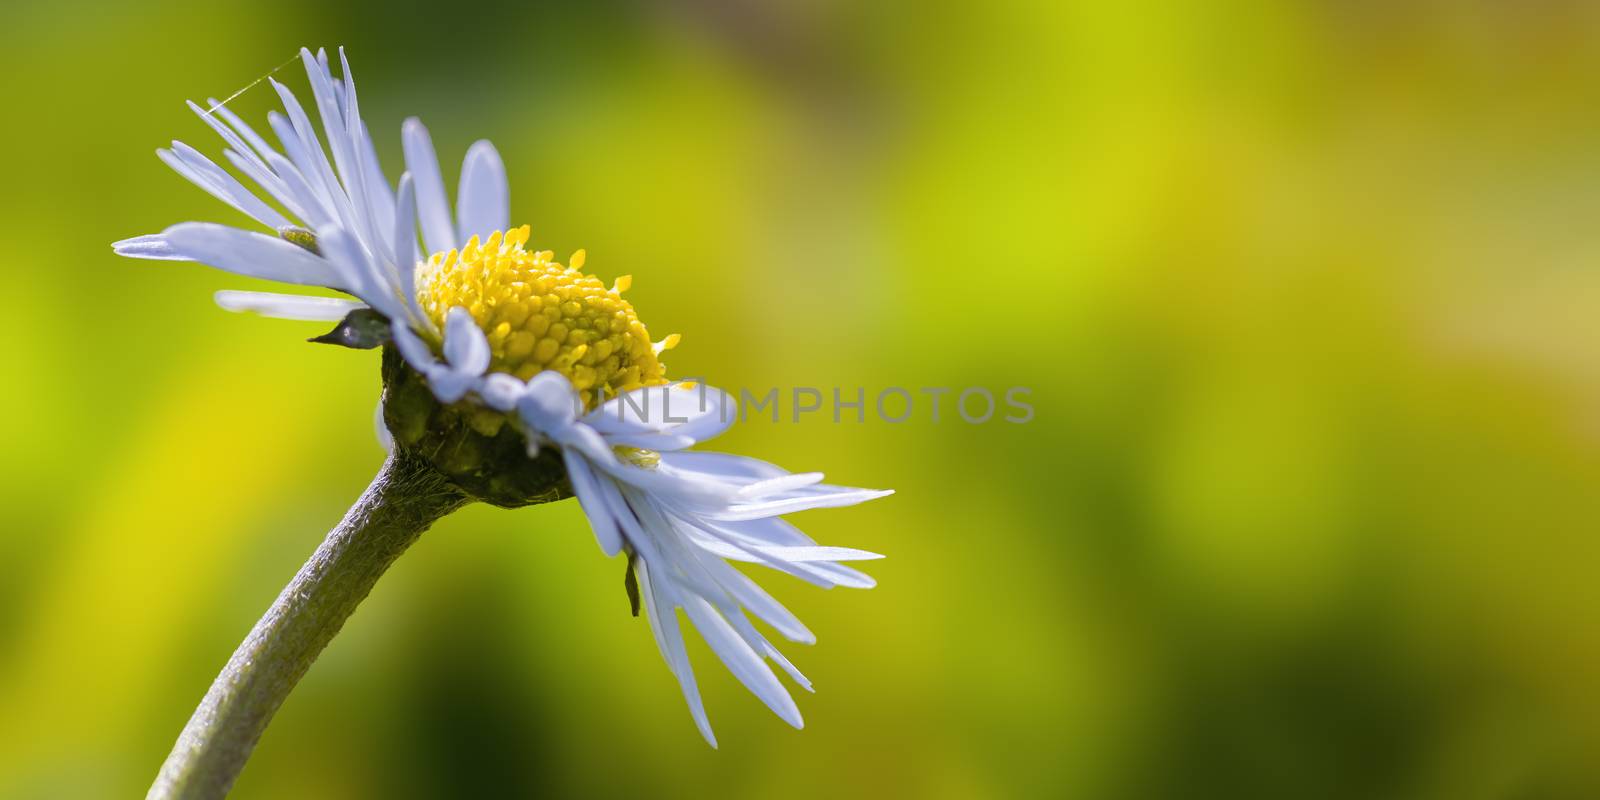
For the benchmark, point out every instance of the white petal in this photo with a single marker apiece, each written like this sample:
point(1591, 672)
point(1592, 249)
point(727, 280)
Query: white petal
point(305, 165)
point(595, 509)
point(722, 539)
point(288, 306)
point(248, 133)
point(842, 575)
point(501, 391)
point(483, 204)
point(659, 540)
point(312, 209)
point(265, 178)
point(804, 554)
point(663, 482)
point(216, 181)
point(780, 485)
point(745, 664)
point(763, 605)
point(377, 184)
point(415, 351)
point(310, 158)
point(777, 658)
point(153, 246)
point(450, 385)
point(770, 531)
point(334, 128)
point(385, 438)
point(650, 441)
point(645, 418)
point(627, 520)
point(250, 254)
point(405, 247)
point(227, 134)
point(736, 469)
point(711, 412)
point(465, 346)
point(761, 646)
point(405, 225)
point(341, 248)
point(664, 624)
point(432, 206)
point(697, 413)
point(349, 134)
point(835, 497)
point(548, 404)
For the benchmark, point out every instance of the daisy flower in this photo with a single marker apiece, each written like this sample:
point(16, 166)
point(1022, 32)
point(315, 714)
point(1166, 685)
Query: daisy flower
point(515, 377)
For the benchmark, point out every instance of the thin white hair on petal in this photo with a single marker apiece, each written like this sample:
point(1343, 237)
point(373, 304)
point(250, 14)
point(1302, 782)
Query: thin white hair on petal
point(243, 128)
point(228, 134)
point(215, 105)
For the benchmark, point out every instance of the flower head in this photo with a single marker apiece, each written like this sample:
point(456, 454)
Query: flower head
point(522, 379)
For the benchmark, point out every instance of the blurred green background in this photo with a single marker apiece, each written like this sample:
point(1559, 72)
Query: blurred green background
point(1306, 294)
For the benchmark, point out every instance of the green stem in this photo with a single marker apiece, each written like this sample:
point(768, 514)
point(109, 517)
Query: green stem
point(404, 499)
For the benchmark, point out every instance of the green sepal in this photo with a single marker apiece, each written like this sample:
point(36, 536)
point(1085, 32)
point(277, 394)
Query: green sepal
point(361, 329)
point(489, 463)
point(630, 583)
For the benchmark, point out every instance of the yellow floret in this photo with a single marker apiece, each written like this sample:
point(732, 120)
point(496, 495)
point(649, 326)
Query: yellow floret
point(539, 315)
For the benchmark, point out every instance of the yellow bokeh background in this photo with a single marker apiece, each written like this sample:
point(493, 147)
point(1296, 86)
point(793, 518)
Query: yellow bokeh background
point(1305, 294)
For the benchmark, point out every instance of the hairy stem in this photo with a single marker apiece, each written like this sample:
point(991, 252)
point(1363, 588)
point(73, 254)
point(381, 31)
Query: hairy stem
point(404, 499)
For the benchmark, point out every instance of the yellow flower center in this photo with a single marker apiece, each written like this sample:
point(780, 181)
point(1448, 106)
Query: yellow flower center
point(539, 315)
